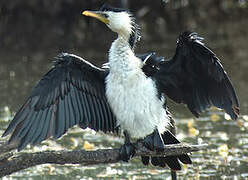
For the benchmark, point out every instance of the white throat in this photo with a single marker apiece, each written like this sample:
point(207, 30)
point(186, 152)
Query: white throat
point(122, 59)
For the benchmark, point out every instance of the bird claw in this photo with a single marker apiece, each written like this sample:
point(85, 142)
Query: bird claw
point(127, 151)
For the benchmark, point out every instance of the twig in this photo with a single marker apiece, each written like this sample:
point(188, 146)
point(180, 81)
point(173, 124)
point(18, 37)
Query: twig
point(25, 160)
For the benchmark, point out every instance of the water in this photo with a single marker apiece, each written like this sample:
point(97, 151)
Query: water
point(225, 158)
point(26, 55)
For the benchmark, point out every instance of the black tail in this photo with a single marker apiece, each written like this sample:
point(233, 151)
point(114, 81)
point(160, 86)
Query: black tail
point(171, 161)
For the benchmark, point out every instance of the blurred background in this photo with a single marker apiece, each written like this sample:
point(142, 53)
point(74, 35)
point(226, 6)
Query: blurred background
point(32, 33)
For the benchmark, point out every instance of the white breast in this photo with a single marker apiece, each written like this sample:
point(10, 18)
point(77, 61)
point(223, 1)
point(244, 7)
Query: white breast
point(132, 96)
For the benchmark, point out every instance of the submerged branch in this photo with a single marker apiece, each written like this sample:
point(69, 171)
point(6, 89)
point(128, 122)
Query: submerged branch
point(21, 161)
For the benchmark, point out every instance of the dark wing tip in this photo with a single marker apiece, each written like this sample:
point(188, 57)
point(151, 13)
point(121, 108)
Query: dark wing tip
point(5, 133)
point(235, 112)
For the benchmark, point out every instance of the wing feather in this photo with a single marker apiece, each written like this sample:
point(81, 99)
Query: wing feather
point(72, 92)
point(195, 76)
point(41, 123)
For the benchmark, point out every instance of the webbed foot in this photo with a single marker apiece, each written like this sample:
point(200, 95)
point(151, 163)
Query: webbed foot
point(154, 141)
point(127, 150)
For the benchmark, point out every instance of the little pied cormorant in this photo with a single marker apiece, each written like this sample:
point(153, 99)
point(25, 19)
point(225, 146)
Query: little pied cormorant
point(128, 95)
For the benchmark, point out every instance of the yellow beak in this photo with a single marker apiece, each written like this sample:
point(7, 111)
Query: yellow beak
point(96, 14)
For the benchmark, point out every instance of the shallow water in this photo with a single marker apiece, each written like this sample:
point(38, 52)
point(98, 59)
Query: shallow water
point(225, 158)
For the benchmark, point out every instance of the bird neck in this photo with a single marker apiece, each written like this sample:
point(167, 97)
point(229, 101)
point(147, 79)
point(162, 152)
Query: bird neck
point(132, 37)
point(121, 56)
point(120, 50)
point(123, 36)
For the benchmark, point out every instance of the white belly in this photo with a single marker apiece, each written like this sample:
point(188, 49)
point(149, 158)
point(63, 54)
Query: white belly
point(133, 99)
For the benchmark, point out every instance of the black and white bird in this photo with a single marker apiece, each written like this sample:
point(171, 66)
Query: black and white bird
point(129, 95)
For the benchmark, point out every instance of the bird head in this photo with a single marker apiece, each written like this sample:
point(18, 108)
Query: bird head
point(118, 20)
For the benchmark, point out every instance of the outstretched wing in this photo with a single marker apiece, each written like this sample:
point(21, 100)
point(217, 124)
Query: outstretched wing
point(72, 92)
point(195, 76)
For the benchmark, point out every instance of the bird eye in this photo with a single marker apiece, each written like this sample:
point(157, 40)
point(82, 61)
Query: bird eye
point(105, 15)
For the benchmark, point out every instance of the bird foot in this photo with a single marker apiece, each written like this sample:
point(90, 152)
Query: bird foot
point(127, 151)
point(154, 141)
